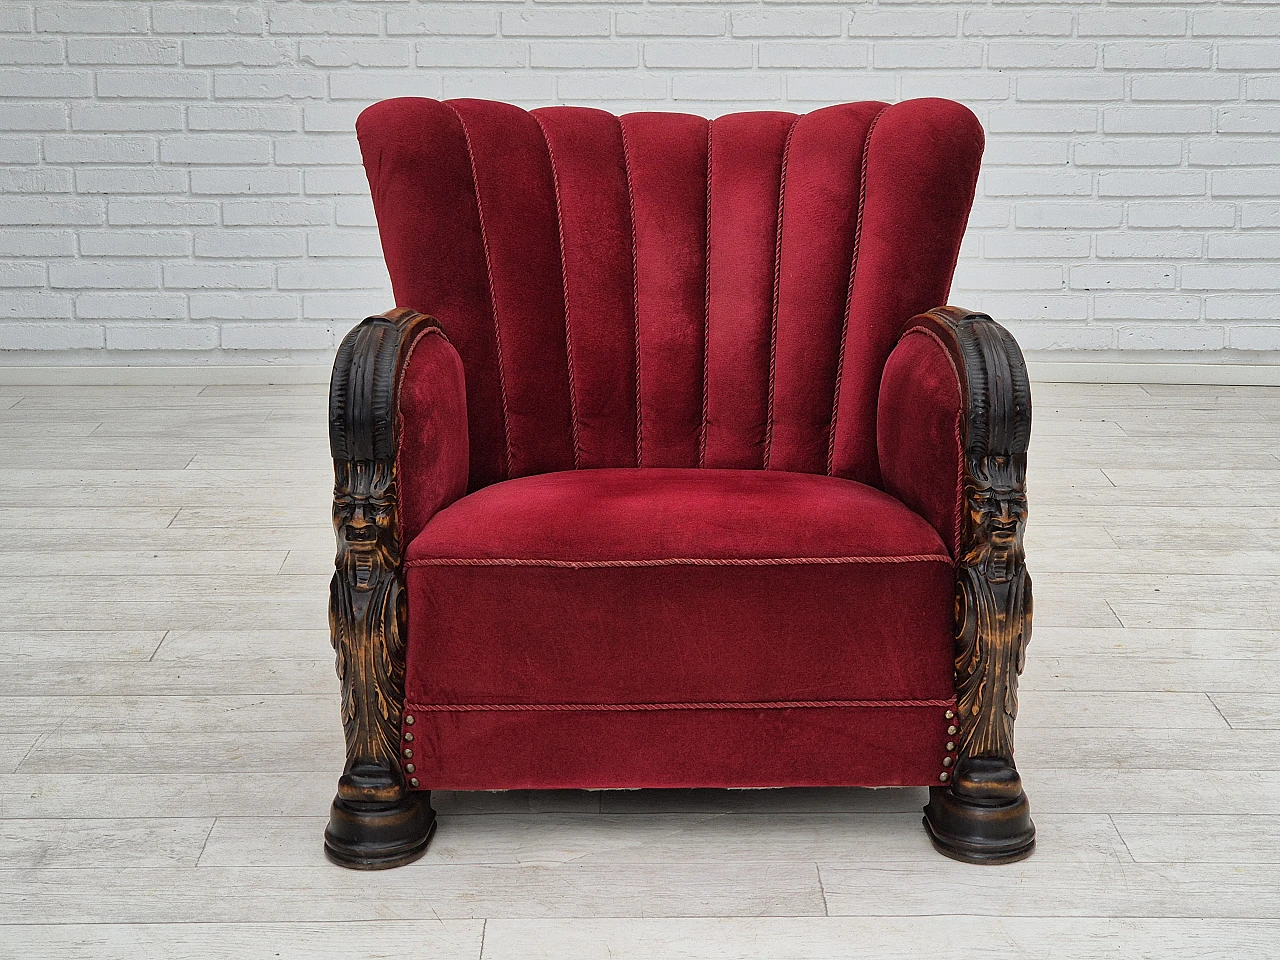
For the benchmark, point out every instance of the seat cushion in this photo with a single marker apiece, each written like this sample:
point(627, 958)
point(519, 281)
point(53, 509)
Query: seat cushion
point(623, 590)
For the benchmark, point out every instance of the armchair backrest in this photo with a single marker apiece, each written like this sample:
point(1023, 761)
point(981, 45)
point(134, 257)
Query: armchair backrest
point(658, 289)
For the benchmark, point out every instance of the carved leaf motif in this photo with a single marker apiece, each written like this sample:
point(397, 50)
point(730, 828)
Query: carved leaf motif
point(366, 597)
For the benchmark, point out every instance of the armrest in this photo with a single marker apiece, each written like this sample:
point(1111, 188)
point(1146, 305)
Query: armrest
point(955, 422)
point(398, 435)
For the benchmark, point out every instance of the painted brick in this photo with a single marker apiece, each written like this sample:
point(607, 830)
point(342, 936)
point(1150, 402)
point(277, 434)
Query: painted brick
point(250, 244)
point(19, 149)
point(1231, 276)
point(201, 18)
point(820, 54)
point(218, 150)
point(940, 55)
point(574, 87)
point(356, 53)
point(1132, 23)
point(696, 54)
point(123, 51)
point(45, 211)
point(132, 306)
point(116, 180)
point(273, 117)
point(33, 116)
point(1144, 306)
point(305, 18)
point(1070, 88)
point(1146, 119)
point(236, 52)
point(275, 85)
point(578, 54)
point(373, 86)
point(1171, 337)
point(1037, 55)
point(1114, 276)
point(243, 182)
point(236, 306)
point(130, 243)
point(1149, 246)
point(37, 243)
point(1182, 215)
point(1150, 183)
point(276, 336)
point(217, 276)
point(556, 23)
point(45, 83)
point(1129, 153)
point(153, 84)
point(903, 23)
point(1044, 22)
point(184, 176)
point(1245, 246)
point(834, 87)
point(94, 149)
point(1173, 55)
point(433, 20)
point(24, 305)
point(162, 336)
point(108, 117)
point(92, 17)
point(788, 23)
point(670, 23)
point(103, 276)
point(49, 336)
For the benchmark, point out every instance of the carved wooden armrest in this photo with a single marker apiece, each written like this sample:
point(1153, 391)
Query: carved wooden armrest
point(376, 821)
point(983, 814)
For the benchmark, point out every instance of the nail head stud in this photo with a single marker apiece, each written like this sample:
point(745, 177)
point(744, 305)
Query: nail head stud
point(409, 737)
point(950, 746)
point(408, 752)
point(943, 776)
point(413, 781)
point(951, 715)
point(946, 761)
point(409, 721)
point(409, 768)
point(951, 731)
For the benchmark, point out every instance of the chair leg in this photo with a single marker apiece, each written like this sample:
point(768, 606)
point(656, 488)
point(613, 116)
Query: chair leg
point(375, 826)
point(984, 816)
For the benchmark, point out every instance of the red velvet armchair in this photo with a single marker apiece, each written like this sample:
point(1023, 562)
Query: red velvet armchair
point(669, 471)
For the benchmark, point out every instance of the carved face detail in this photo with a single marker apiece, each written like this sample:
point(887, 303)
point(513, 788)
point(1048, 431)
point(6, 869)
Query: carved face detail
point(361, 521)
point(998, 515)
point(364, 515)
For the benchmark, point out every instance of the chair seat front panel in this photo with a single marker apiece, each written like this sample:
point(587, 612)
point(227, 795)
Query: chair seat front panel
point(553, 605)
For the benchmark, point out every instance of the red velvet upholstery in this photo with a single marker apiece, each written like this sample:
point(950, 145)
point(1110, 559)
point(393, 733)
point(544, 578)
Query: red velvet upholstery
point(717, 303)
point(678, 586)
point(921, 452)
point(660, 290)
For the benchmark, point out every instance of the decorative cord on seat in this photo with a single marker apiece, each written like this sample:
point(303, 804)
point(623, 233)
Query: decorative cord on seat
point(705, 705)
point(668, 561)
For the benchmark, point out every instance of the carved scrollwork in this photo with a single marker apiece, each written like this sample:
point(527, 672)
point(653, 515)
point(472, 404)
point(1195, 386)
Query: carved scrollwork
point(993, 589)
point(366, 598)
point(982, 815)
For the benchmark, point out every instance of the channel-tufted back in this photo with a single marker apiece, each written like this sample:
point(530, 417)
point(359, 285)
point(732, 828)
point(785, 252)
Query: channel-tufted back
point(658, 289)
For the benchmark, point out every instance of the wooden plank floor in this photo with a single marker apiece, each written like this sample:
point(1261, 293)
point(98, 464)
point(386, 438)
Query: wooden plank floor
point(169, 734)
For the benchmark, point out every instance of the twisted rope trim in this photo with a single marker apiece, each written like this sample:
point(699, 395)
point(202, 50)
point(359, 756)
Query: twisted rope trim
point(667, 562)
point(624, 707)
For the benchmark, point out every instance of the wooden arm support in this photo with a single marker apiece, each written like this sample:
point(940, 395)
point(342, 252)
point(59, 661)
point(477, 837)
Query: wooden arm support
point(375, 821)
point(983, 815)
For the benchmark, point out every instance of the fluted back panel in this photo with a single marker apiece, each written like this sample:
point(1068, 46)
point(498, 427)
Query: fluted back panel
point(663, 290)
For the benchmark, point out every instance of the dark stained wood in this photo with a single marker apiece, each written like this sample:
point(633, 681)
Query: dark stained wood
point(982, 815)
point(376, 821)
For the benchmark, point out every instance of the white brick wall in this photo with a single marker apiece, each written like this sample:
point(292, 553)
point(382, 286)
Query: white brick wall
point(180, 180)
